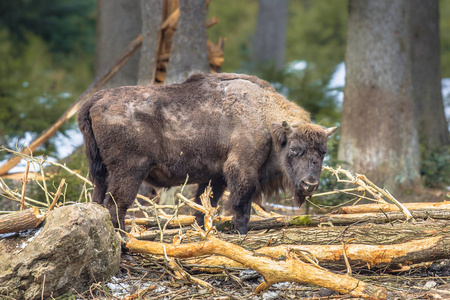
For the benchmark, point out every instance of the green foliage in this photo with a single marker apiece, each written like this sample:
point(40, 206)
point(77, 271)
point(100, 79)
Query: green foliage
point(435, 167)
point(315, 33)
point(237, 24)
point(34, 90)
point(64, 25)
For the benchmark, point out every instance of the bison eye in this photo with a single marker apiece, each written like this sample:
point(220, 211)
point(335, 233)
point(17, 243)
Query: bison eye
point(295, 151)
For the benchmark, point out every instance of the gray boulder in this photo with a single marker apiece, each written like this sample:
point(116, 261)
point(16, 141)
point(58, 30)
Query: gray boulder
point(75, 247)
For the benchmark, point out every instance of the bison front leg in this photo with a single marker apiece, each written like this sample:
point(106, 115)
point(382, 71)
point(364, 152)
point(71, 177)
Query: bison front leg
point(242, 184)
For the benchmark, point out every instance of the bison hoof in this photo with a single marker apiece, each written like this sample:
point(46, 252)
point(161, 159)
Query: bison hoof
point(242, 229)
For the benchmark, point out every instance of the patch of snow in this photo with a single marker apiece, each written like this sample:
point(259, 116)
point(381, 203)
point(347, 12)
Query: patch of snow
point(337, 82)
point(120, 287)
point(446, 98)
point(296, 66)
point(5, 235)
point(282, 285)
point(65, 145)
point(36, 232)
point(270, 295)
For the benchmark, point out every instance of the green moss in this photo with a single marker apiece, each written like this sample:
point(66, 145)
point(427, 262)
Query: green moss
point(301, 220)
point(225, 226)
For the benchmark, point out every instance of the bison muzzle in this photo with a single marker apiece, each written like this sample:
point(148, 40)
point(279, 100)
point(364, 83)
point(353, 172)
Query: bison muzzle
point(233, 130)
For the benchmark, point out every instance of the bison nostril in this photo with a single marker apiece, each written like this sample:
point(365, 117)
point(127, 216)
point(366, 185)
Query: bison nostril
point(309, 186)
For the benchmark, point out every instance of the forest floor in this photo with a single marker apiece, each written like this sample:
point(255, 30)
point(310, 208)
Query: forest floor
point(147, 277)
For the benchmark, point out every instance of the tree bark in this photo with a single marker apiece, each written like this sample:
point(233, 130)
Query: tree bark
point(225, 223)
point(118, 23)
point(188, 52)
point(152, 12)
point(379, 123)
point(21, 220)
point(384, 228)
point(270, 36)
point(433, 130)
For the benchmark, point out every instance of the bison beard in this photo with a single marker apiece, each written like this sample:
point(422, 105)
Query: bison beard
point(233, 130)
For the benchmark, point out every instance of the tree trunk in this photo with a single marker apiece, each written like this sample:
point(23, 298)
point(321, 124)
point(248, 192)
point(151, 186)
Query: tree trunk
point(379, 122)
point(118, 23)
point(433, 131)
point(270, 37)
point(152, 11)
point(369, 234)
point(188, 52)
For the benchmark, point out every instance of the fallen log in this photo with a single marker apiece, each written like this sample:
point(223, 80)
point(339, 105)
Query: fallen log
point(358, 255)
point(288, 268)
point(385, 207)
point(224, 223)
point(21, 220)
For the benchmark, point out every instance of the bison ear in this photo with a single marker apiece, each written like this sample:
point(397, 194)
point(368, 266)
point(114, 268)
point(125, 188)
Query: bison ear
point(330, 131)
point(280, 131)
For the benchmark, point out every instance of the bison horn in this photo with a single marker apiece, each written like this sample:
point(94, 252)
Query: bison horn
point(330, 130)
point(287, 128)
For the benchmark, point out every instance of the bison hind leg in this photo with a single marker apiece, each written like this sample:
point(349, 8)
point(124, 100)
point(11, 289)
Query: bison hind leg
point(122, 189)
point(218, 187)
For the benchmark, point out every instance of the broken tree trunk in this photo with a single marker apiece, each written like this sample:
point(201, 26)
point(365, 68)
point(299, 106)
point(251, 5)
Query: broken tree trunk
point(21, 220)
point(358, 255)
point(370, 234)
point(289, 268)
point(73, 109)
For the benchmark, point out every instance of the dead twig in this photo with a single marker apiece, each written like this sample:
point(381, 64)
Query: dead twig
point(24, 186)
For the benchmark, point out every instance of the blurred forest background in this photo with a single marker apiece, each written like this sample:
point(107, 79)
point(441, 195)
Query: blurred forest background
point(50, 51)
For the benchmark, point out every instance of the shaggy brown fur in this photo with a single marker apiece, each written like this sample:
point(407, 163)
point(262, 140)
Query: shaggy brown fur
point(231, 129)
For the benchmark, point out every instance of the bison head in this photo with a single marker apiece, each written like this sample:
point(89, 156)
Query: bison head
point(302, 149)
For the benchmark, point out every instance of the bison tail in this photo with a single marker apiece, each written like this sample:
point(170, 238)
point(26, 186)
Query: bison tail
point(97, 168)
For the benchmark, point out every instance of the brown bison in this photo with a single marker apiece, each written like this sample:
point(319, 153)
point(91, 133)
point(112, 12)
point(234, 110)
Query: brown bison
point(233, 130)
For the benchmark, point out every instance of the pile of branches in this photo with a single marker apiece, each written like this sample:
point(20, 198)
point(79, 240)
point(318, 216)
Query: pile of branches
point(323, 250)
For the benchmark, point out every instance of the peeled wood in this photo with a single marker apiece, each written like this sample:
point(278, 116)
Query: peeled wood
point(368, 208)
point(73, 109)
point(21, 220)
point(273, 271)
point(332, 256)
